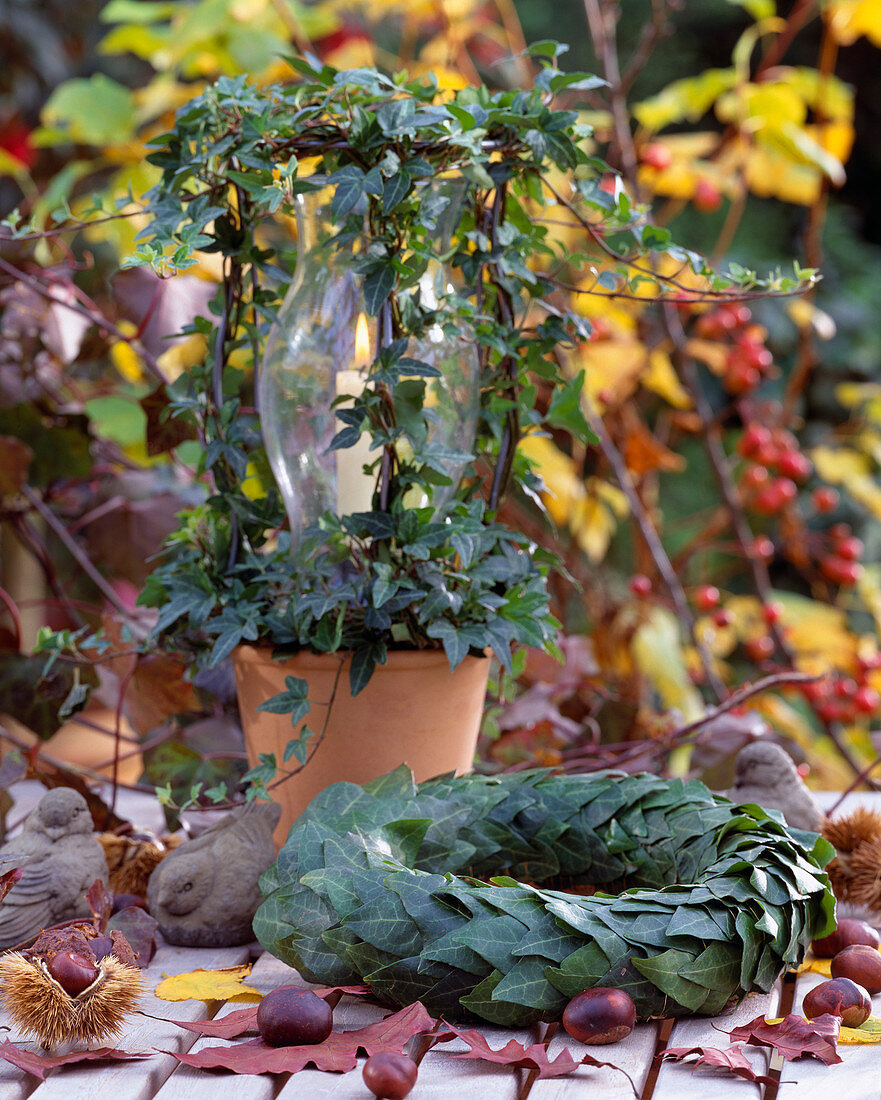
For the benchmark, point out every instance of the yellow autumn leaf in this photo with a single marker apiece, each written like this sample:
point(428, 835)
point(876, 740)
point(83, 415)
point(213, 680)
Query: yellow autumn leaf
point(868, 1032)
point(661, 378)
point(658, 653)
point(812, 965)
point(806, 315)
point(847, 467)
point(611, 371)
point(184, 354)
point(849, 19)
point(124, 357)
point(208, 985)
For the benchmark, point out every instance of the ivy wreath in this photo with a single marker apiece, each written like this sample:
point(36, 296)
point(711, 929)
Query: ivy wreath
point(391, 884)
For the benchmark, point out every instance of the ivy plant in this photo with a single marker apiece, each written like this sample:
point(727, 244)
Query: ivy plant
point(453, 577)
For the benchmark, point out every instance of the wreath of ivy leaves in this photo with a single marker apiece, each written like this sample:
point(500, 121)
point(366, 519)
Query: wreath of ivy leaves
point(702, 900)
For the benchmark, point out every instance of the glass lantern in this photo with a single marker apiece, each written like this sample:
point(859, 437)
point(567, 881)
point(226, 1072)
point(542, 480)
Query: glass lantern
point(317, 358)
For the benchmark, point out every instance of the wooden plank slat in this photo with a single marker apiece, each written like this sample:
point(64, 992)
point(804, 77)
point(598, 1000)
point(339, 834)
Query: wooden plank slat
point(141, 1079)
point(676, 1079)
point(857, 1078)
point(633, 1055)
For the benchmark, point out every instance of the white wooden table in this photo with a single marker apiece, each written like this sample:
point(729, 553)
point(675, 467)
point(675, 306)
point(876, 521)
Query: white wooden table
point(441, 1075)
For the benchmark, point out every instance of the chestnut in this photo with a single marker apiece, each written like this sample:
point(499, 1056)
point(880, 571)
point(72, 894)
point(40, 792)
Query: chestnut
point(600, 1015)
point(850, 931)
point(72, 971)
point(290, 1016)
point(839, 997)
point(390, 1076)
point(860, 963)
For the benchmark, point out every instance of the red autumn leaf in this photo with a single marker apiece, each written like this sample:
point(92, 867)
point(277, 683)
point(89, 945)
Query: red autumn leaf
point(241, 1020)
point(139, 928)
point(100, 904)
point(9, 880)
point(515, 1054)
point(338, 1053)
point(39, 1064)
point(733, 1060)
point(794, 1036)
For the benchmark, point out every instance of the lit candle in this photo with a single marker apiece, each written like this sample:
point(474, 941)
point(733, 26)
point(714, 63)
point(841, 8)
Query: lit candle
point(354, 488)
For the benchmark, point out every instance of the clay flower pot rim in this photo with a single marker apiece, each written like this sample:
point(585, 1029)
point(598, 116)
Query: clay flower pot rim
point(402, 659)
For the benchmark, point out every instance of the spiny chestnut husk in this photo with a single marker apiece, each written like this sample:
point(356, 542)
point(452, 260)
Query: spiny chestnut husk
point(38, 1005)
point(855, 873)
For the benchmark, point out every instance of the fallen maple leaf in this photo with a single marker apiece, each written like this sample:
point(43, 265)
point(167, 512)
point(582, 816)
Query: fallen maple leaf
point(139, 928)
point(38, 1065)
point(515, 1054)
point(868, 1032)
point(9, 880)
point(100, 902)
point(337, 1054)
point(794, 1036)
point(208, 985)
point(242, 1020)
point(733, 1060)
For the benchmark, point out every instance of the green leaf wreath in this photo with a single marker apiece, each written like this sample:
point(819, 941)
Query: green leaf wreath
point(703, 901)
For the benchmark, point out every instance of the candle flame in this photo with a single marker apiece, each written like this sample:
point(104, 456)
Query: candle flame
point(362, 343)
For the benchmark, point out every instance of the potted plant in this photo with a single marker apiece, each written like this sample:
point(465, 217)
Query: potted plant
point(428, 238)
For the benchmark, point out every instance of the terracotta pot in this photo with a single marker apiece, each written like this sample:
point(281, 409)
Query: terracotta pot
point(414, 711)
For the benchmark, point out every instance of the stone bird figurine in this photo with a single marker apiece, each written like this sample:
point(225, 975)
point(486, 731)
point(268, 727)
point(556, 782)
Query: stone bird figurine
point(60, 858)
point(767, 776)
point(205, 893)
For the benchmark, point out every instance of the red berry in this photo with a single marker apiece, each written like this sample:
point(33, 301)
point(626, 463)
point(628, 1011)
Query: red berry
point(795, 465)
point(759, 649)
point(839, 531)
point(754, 477)
point(656, 155)
point(825, 499)
point(771, 612)
point(640, 585)
point(841, 570)
point(866, 699)
point(740, 378)
point(845, 687)
point(762, 548)
point(754, 437)
point(707, 196)
point(850, 548)
point(775, 496)
point(723, 617)
point(706, 597)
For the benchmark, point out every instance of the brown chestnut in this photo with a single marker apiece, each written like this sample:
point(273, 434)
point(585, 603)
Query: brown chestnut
point(72, 971)
point(839, 997)
point(600, 1015)
point(861, 964)
point(850, 931)
point(290, 1016)
point(390, 1076)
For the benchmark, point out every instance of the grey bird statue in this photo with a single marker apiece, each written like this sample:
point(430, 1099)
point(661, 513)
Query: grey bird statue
point(205, 893)
point(60, 859)
point(767, 776)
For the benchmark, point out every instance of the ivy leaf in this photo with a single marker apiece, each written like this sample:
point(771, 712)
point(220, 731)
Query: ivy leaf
point(733, 1060)
point(565, 411)
point(338, 1053)
point(534, 1057)
point(293, 701)
point(38, 1065)
point(349, 189)
point(794, 1036)
point(377, 287)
